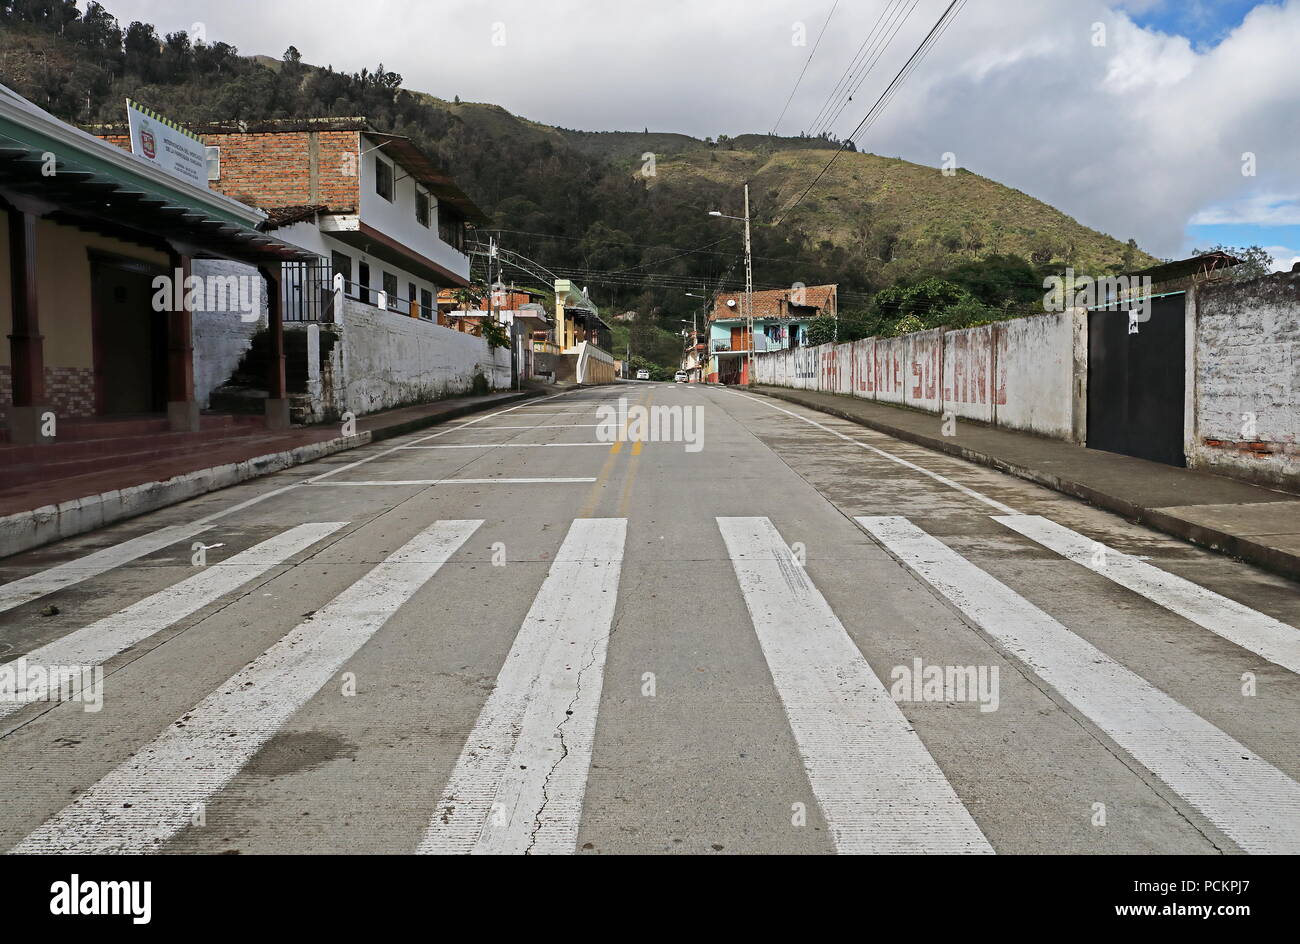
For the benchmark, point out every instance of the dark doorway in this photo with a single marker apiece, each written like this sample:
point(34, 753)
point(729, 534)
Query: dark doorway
point(1136, 382)
point(729, 370)
point(130, 339)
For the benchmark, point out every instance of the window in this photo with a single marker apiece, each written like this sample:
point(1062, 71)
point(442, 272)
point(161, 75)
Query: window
point(390, 288)
point(451, 230)
point(342, 264)
point(363, 281)
point(383, 178)
point(214, 162)
point(426, 303)
point(421, 208)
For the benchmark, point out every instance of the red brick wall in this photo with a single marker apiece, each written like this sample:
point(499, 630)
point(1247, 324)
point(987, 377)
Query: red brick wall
point(69, 391)
point(274, 168)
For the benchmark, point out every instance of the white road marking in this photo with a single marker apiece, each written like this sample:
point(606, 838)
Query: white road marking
point(970, 492)
point(1261, 634)
point(1250, 800)
point(518, 784)
point(509, 445)
point(100, 641)
point(878, 786)
point(545, 426)
point(150, 797)
point(36, 585)
point(388, 452)
point(558, 481)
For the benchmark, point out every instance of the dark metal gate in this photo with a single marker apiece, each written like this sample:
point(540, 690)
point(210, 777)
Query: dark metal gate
point(1136, 381)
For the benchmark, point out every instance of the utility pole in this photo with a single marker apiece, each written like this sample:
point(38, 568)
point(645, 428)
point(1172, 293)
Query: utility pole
point(748, 312)
point(749, 290)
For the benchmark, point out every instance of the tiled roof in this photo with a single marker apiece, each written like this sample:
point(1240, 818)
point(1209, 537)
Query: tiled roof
point(776, 303)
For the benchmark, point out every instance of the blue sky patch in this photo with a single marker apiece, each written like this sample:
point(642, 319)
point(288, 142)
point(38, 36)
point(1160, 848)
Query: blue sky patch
point(1204, 22)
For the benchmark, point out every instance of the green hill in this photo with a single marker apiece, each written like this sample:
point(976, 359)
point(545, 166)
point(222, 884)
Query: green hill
point(579, 202)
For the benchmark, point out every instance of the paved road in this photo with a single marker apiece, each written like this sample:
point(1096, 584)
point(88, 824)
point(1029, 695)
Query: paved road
point(510, 636)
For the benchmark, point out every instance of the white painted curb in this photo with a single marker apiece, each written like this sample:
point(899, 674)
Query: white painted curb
point(24, 530)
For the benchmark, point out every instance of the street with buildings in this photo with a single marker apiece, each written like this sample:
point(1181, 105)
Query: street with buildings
point(345, 511)
point(515, 635)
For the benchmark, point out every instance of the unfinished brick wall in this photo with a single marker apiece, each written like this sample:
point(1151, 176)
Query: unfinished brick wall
point(290, 168)
point(284, 168)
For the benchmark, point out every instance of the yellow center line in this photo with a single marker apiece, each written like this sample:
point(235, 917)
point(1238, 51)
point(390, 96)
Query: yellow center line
point(602, 478)
point(625, 500)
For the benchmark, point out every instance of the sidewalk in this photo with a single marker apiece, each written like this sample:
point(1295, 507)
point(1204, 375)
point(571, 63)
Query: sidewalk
point(1255, 524)
point(137, 468)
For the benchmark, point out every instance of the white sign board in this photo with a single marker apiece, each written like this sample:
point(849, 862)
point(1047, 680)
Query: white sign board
point(167, 146)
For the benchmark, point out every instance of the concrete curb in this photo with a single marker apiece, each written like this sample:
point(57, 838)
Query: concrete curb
point(25, 530)
point(1276, 560)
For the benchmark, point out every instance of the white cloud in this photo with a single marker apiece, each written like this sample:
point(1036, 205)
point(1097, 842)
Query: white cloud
point(1135, 138)
point(1265, 209)
point(1283, 257)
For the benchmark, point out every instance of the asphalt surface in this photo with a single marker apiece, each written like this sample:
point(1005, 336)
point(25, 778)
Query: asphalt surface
point(541, 642)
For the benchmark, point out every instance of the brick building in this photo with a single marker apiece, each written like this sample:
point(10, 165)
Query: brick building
point(371, 205)
point(781, 319)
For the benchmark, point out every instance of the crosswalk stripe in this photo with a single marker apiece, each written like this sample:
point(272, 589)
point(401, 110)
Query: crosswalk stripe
point(94, 644)
point(496, 481)
point(1261, 634)
point(878, 786)
point(154, 794)
point(511, 445)
point(34, 586)
point(1251, 801)
point(478, 429)
point(519, 782)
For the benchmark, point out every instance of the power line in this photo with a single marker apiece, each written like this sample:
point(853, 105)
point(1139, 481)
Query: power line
point(868, 66)
point(853, 63)
point(898, 80)
point(805, 65)
point(866, 123)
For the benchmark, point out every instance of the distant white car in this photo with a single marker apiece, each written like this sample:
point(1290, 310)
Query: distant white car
point(643, 374)
point(681, 377)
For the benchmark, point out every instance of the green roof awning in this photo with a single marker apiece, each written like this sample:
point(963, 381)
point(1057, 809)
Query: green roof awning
point(83, 188)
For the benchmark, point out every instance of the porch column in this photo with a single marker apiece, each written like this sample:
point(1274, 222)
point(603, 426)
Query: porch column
point(182, 408)
point(26, 344)
point(277, 403)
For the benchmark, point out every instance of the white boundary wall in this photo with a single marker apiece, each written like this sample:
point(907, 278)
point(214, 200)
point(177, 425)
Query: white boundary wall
point(1019, 374)
point(390, 359)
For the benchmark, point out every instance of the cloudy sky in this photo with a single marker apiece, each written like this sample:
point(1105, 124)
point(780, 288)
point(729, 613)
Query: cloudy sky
point(1173, 121)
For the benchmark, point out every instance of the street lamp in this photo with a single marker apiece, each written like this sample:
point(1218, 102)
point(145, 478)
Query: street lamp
point(749, 281)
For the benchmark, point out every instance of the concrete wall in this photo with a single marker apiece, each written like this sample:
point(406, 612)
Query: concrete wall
point(222, 333)
point(1022, 374)
point(1247, 367)
point(392, 360)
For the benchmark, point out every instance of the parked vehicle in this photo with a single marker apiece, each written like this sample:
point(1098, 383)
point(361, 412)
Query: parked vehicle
point(643, 374)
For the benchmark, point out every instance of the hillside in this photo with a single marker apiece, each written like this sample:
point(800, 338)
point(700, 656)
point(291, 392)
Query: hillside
point(577, 201)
